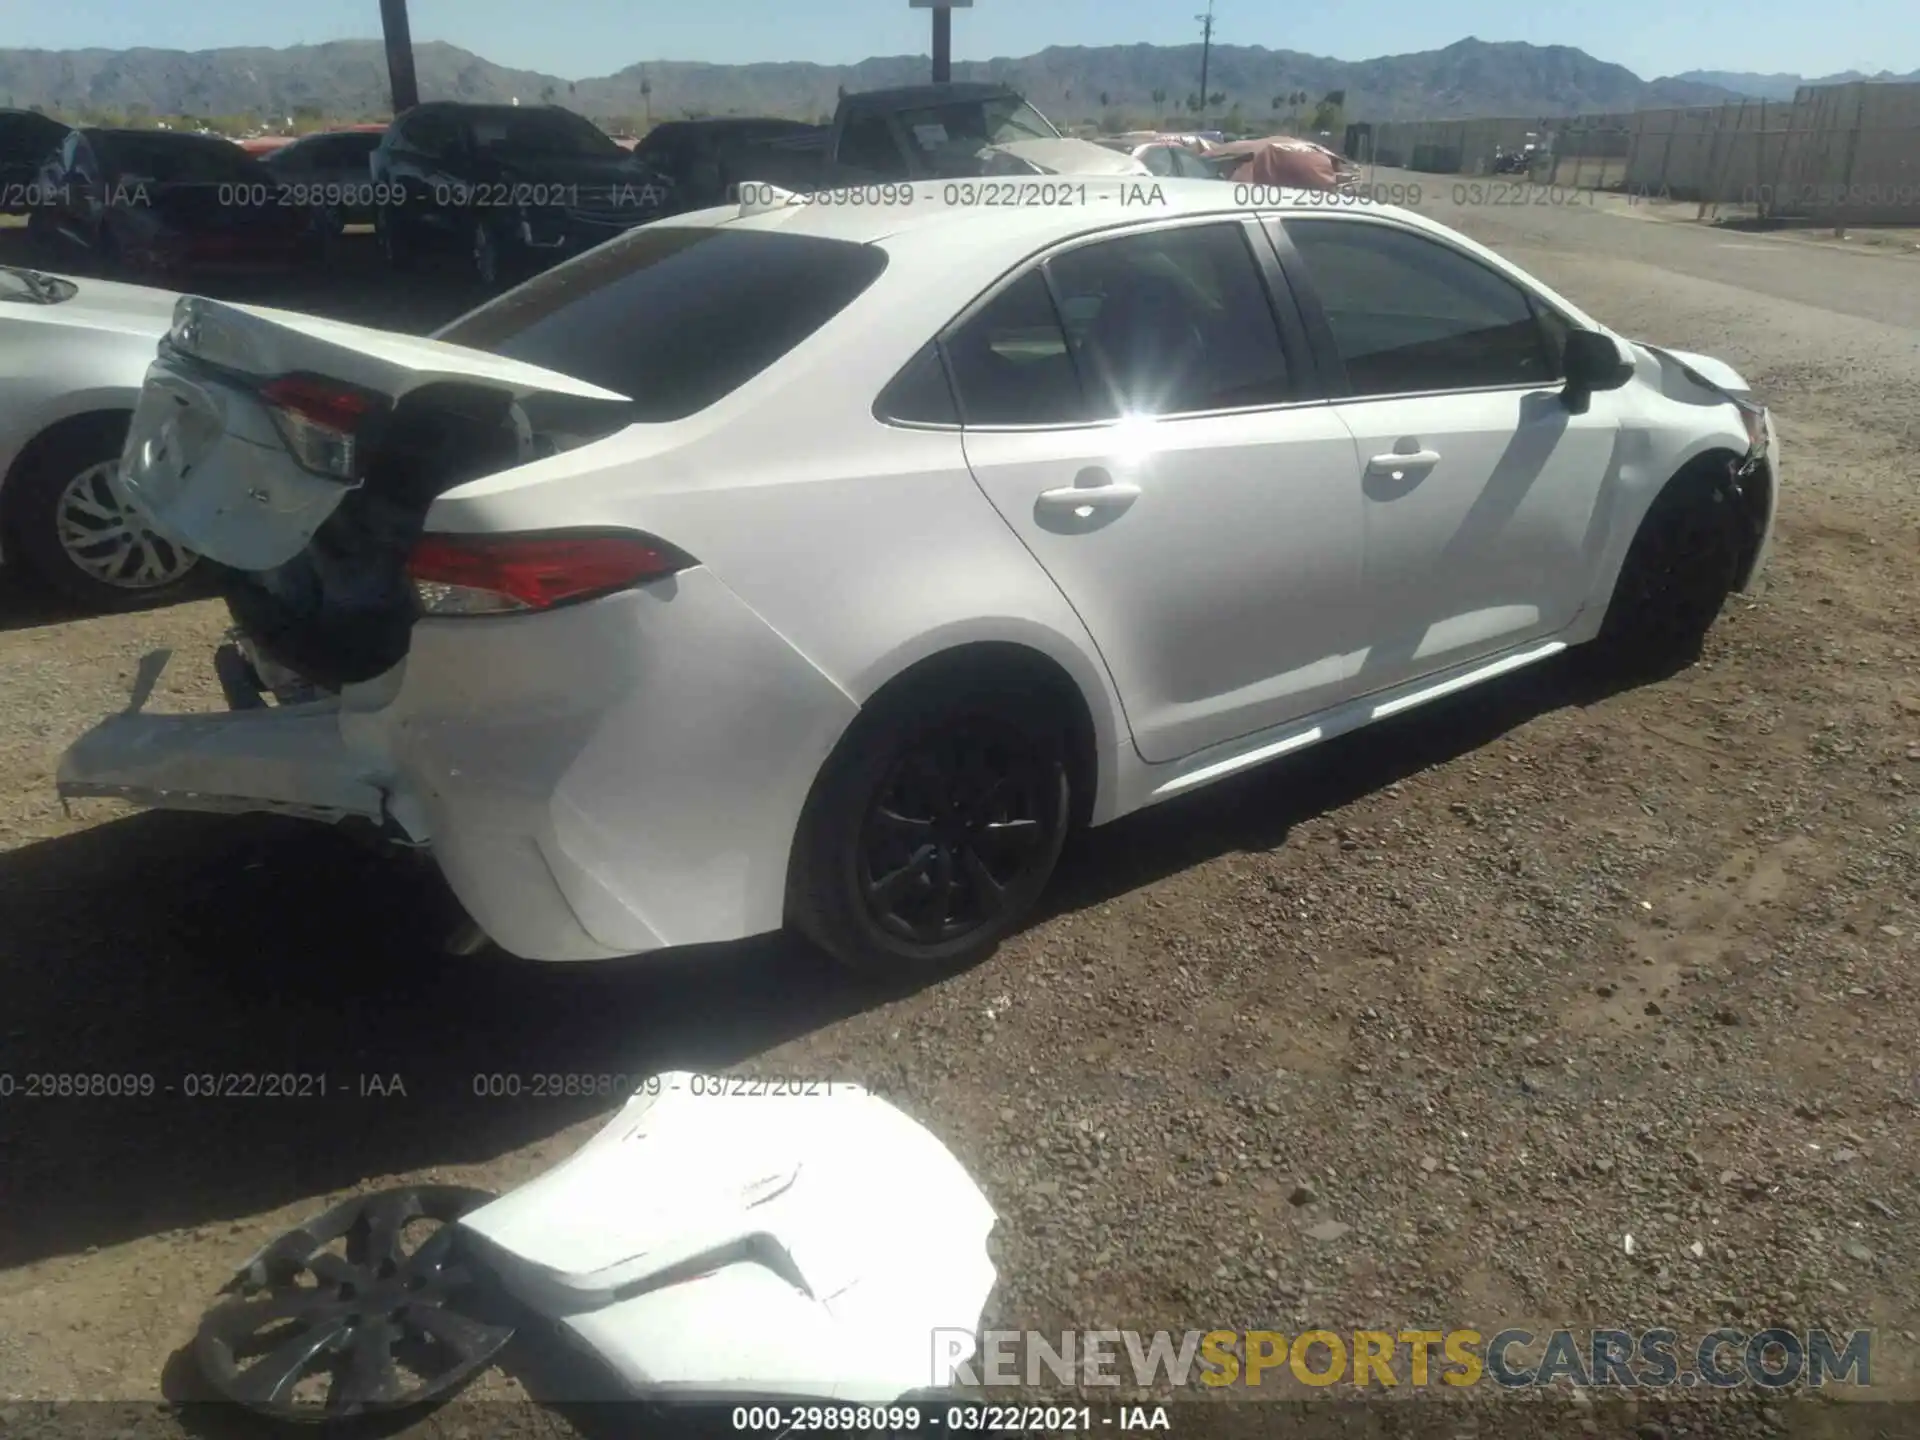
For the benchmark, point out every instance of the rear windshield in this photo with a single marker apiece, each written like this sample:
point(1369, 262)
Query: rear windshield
point(167, 159)
point(676, 317)
point(555, 133)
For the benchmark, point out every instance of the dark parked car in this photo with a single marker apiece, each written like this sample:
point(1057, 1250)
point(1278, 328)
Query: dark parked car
point(699, 155)
point(162, 205)
point(518, 188)
point(331, 173)
point(27, 138)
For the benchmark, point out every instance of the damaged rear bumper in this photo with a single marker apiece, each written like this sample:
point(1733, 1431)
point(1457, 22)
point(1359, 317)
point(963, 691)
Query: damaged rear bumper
point(289, 761)
point(608, 779)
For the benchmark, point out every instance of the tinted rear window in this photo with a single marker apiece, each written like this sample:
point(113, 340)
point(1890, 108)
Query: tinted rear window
point(677, 317)
point(538, 132)
point(170, 159)
point(35, 132)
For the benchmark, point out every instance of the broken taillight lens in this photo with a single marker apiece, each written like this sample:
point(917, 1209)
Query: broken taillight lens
point(517, 574)
point(319, 420)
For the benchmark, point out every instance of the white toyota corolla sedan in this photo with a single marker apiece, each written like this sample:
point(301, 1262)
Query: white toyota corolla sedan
point(822, 564)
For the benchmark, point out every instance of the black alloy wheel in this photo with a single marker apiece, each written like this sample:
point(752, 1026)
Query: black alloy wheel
point(933, 830)
point(953, 830)
point(311, 1332)
point(1683, 564)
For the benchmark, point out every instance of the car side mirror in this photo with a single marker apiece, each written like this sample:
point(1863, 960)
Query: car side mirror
point(1593, 362)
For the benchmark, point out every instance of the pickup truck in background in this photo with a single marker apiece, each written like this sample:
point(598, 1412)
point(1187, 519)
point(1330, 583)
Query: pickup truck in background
point(918, 132)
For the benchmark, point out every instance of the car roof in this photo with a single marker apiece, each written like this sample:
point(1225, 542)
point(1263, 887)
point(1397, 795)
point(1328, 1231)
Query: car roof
point(1023, 214)
point(135, 132)
point(939, 93)
point(486, 105)
point(732, 122)
point(371, 136)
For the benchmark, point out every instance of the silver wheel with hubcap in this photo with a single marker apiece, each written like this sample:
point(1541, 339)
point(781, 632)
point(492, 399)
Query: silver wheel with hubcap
point(105, 539)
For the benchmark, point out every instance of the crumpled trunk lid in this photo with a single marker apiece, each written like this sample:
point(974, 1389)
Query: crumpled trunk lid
point(205, 460)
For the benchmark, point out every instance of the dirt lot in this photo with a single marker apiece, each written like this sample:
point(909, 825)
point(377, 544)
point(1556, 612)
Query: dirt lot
point(1492, 988)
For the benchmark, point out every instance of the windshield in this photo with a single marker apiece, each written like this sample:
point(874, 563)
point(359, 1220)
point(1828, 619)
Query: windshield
point(168, 159)
point(950, 137)
point(541, 132)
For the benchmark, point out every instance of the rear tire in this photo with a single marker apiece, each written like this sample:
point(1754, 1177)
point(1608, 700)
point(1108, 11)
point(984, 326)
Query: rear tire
point(1683, 564)
point(933, 829)
point(59, 510)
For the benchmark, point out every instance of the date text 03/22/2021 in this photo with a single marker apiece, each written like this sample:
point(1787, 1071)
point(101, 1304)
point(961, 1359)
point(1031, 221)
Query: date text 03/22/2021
point(960, 1418)
point(41, 1085)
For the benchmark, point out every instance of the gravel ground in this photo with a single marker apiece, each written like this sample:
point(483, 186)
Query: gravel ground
point(1411, 1031)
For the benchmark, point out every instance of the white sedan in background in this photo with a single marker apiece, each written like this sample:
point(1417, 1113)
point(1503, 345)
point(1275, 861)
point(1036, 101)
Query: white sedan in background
point(822, 566)
point(73, 354)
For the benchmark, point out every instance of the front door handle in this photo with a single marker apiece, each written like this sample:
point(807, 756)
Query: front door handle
point(1093, 489)
point(1394, 462)
point(1071, 497)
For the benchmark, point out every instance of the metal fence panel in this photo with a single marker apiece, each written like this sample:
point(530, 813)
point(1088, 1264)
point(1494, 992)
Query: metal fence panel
point(1836, 154)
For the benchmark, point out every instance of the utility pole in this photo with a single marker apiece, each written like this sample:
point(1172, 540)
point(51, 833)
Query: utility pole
point(404, 87)
point(1206, 54)
point(942, 34)
point(942, 45)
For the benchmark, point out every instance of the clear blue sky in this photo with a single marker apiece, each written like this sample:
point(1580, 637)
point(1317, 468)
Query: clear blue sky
point(578, 38)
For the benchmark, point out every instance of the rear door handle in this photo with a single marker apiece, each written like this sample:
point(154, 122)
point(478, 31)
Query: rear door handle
point(1391, 463)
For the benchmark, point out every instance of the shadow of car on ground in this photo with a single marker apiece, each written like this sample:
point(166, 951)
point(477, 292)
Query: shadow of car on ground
point(193, 948)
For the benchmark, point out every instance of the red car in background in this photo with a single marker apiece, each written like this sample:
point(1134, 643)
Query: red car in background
point(261, 146)
point(162, 205)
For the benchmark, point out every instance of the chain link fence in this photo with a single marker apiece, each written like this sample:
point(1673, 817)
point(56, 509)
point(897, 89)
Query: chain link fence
point(1841, 155)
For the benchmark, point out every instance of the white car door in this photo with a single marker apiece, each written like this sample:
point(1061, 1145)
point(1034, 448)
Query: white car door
point(1482, 490)
point(1156, 442)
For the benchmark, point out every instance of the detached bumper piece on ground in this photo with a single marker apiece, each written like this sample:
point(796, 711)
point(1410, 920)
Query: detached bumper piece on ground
point(719, 1239)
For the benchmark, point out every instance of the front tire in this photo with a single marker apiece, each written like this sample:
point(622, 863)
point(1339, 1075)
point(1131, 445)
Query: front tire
point(393, 232)
point(68, 524)
point(498, 263)
point(933, 830)
point(1683, 564)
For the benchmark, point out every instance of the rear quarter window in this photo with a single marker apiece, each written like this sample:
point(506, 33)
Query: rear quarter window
point(675, 317)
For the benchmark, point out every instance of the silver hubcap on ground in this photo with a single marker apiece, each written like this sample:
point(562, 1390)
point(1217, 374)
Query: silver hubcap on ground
point(106, 540)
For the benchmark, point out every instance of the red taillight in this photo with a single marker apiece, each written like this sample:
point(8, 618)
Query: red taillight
point(319, 402)
point(320, 421)
point(498, 574)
